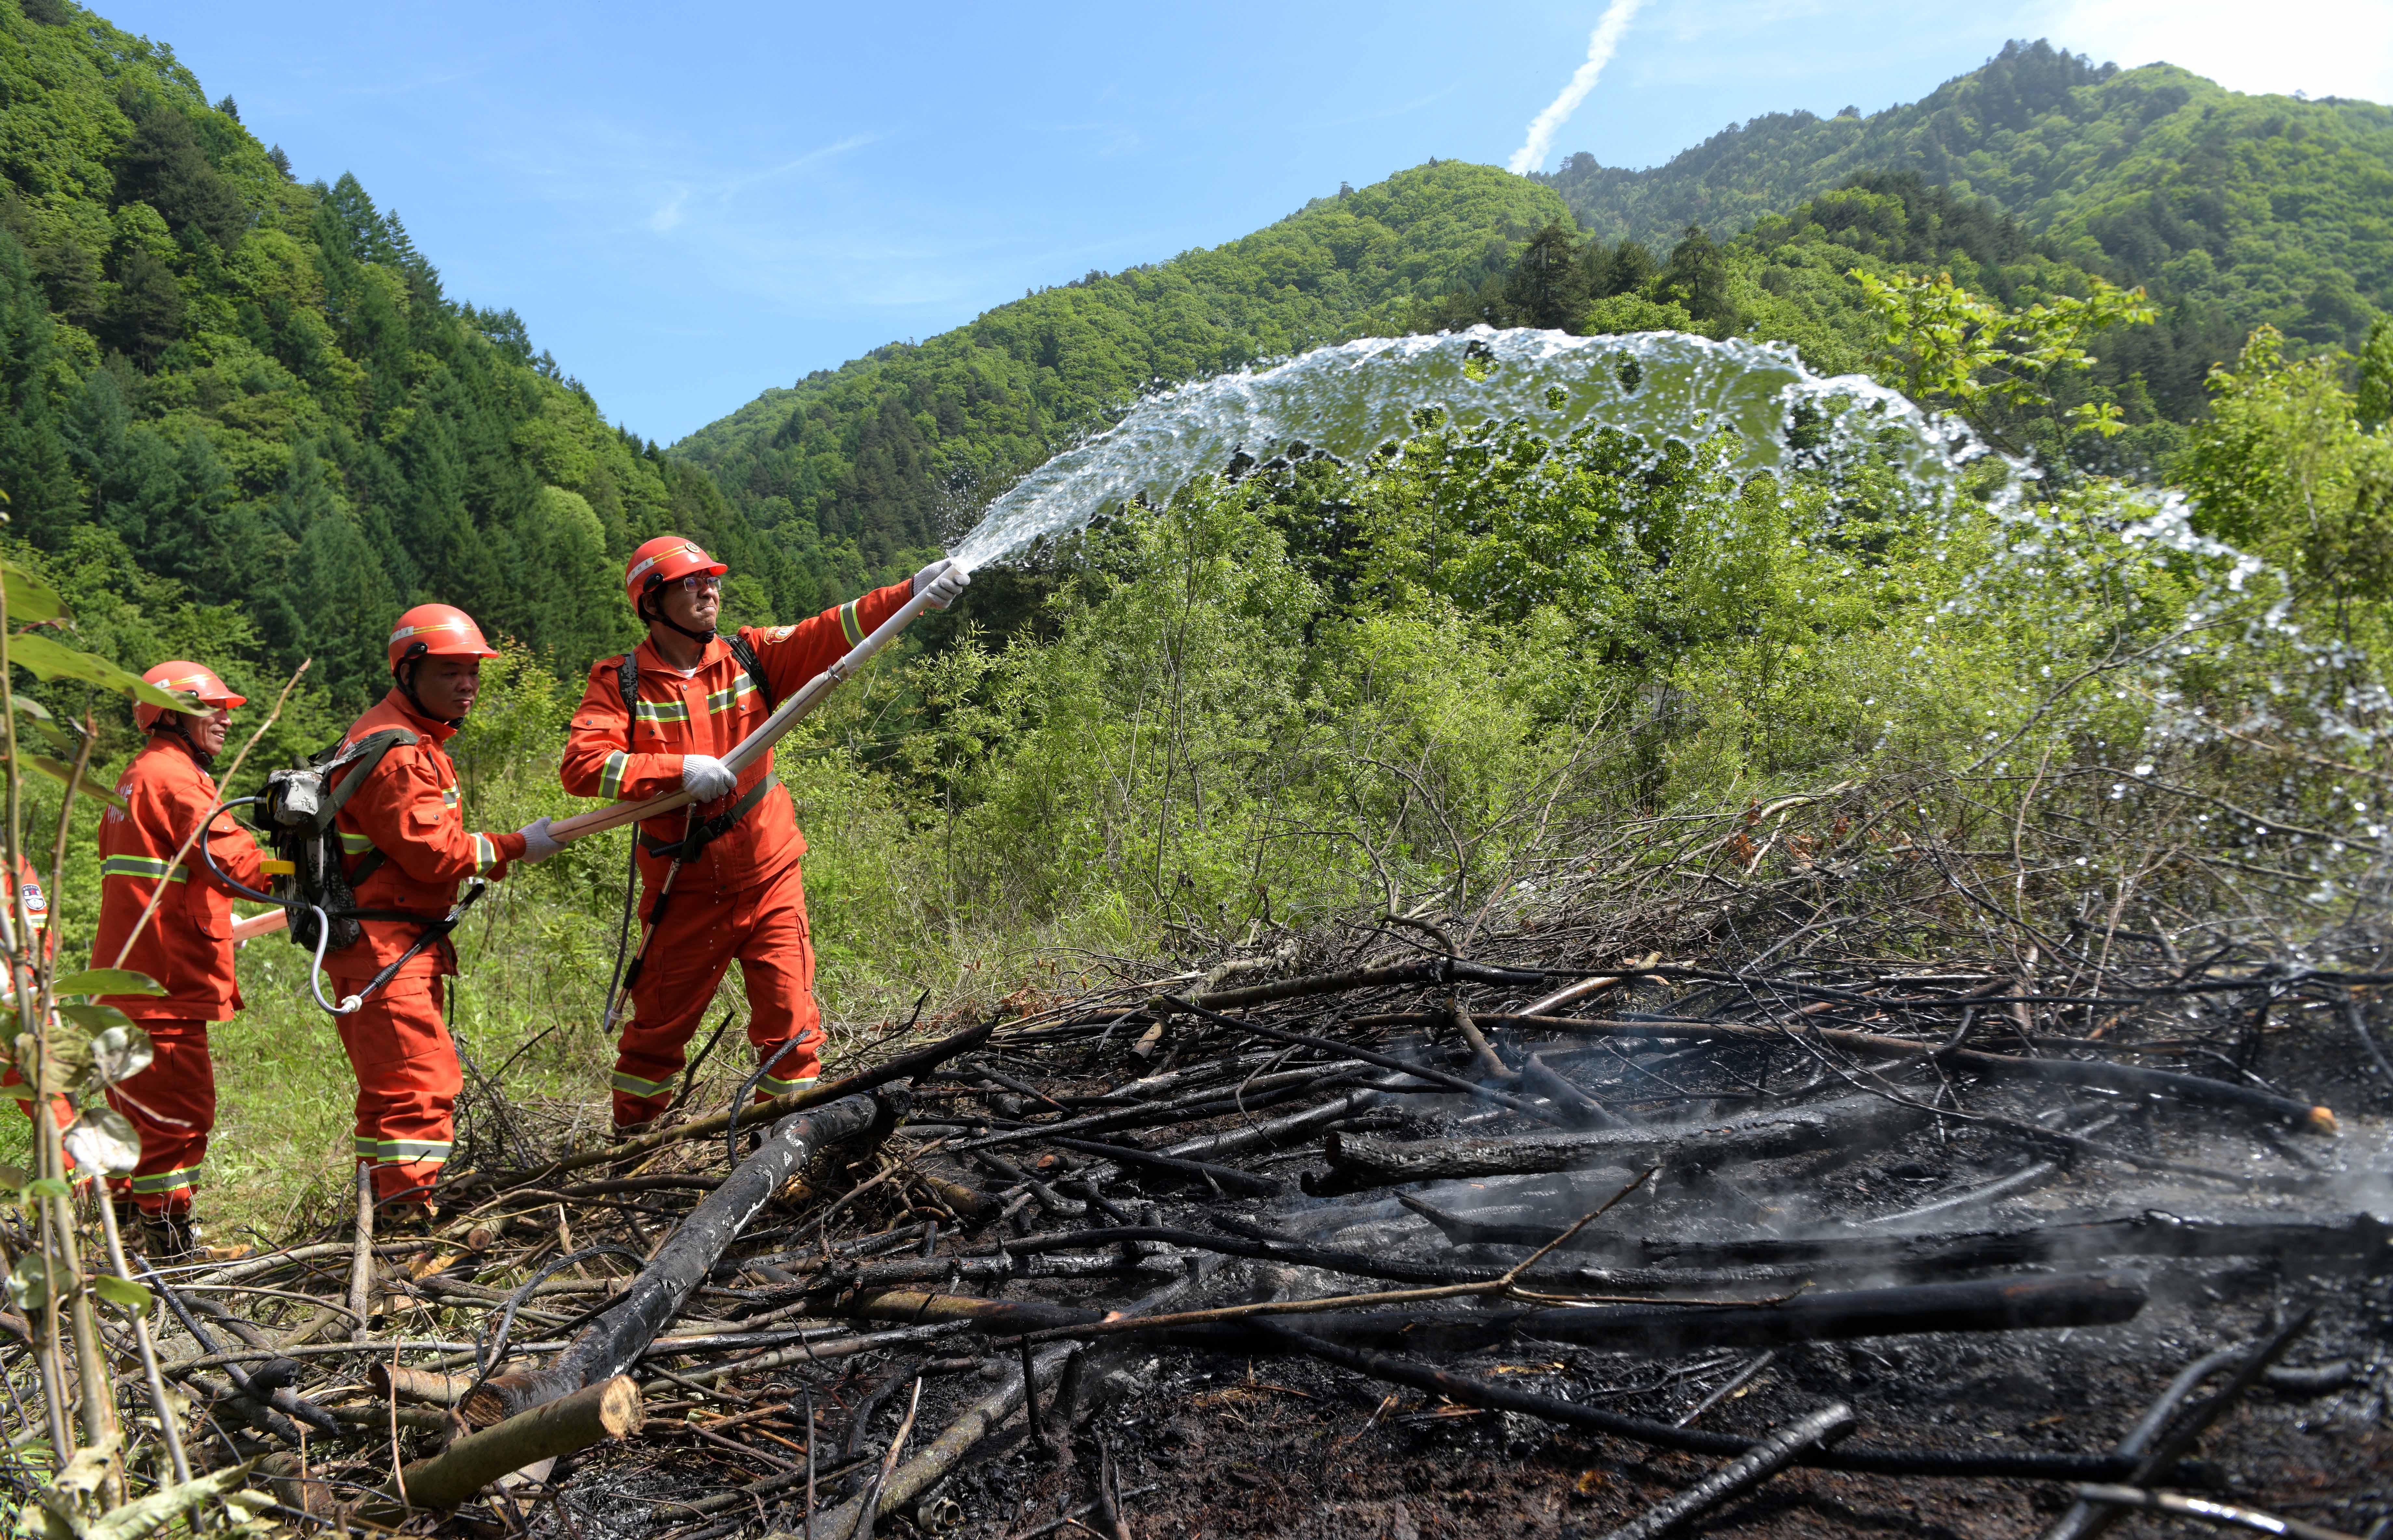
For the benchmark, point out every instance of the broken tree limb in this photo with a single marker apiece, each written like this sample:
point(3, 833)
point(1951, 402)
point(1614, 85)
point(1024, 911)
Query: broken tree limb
point(607, 1409)
point(1582, 1110)
point(904, 1066)
point(1654, 1330)
point(1229, 1177)
point(1852, 1122)
point(426, 1386)
point(2361, 1241)
point(2210, 1511)
point(1439, 970)
point(1348, 1051)
point(1742, 1474)
point(1293, 1126)
point(1660, 1329)
point(926, 1469)
point(615, 1340)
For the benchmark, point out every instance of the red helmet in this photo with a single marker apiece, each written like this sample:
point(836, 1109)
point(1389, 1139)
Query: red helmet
point(436, 630)
point(184, 678)
point(662, 560)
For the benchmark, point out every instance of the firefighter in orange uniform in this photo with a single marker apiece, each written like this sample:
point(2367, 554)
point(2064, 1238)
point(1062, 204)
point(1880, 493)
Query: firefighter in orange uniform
point(409, 852)
point(659, 719)
point(186, 946)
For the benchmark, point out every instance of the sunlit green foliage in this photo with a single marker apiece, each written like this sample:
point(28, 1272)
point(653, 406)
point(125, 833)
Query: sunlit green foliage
point(1949, 349)
point(2285, 468)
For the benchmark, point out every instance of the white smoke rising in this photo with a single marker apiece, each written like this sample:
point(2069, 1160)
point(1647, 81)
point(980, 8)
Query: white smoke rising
point(1601, 44)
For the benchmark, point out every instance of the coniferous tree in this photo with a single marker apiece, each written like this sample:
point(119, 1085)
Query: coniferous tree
point(34, 470)
point(148, 314)
point(1627, 270)
point(1549, 283)
point(163, 166)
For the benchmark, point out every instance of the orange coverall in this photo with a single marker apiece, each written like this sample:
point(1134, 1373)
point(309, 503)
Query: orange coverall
point(186, 946)
point(407, 1071)
point(742, 896)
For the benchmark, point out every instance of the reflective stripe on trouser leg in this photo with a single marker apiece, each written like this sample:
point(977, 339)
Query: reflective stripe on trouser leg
point(171, 1105)
point(408, 1081)
point(765, 928)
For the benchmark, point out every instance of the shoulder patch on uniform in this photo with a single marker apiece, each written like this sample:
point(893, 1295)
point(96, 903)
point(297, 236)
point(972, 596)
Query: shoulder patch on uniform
point(779, 633)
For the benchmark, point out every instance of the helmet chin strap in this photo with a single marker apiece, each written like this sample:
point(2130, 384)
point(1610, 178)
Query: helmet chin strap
point(405, 675)
point(657, 614)
point(173, 722)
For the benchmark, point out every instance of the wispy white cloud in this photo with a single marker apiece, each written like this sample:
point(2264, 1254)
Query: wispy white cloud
point(2326, 47)
point(1600, 46)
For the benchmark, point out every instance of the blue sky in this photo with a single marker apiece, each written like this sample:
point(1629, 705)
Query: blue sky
point(687, 203)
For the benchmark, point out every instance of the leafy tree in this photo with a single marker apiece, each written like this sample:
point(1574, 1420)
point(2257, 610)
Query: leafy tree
point(2284, 467)
point(1947, 348)
point(2372, 403)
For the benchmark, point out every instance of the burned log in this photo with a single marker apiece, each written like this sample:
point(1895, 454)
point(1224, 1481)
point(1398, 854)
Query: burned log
point(615, 1340)
point(607, 1409)
point(1853, 1122)
point(2360, 1241)
point(1657, 1330)
point(1662, 1329)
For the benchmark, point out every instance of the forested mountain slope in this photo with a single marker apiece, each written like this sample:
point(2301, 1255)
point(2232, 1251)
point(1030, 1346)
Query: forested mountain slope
point(2268, 208)
point(2027, 176)
point(858, 468)
point(257, 391)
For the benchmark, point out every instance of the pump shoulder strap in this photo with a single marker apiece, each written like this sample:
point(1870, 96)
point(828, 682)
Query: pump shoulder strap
point(627, 675)
point(365, 756)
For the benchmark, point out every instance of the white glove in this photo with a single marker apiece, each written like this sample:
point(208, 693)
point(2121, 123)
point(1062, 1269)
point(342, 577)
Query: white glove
point(706, 777)
point(943, 582)
point(538, 846)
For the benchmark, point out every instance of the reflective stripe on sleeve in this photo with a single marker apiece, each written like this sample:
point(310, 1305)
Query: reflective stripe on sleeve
point(149, 867)
point(611, 780)
point(850, 624)
point(486, 853)
point(355, 845)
